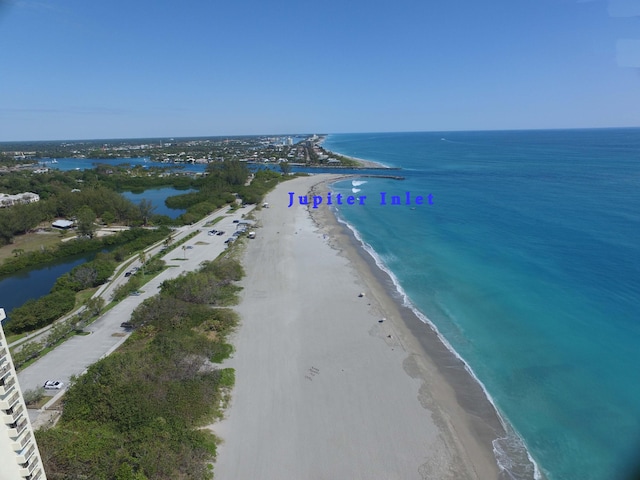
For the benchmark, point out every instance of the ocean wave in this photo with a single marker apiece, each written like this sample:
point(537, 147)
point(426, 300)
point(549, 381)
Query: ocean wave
point(355, 190)
point(357, 183)
point(511, 453)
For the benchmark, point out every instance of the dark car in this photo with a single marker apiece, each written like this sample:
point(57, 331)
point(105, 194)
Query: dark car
point(220, 233)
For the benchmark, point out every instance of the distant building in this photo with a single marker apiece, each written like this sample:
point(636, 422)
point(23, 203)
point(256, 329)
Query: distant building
point(19, 455)
point(62, 224)
point(17, 199)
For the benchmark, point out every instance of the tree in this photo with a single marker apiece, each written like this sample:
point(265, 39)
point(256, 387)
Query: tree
point(108, 217)
point(86, 221)
point(285, 168)
point(85, 275)
point(31, 397)
point(143, 259)
point(146, 210)
point(94, 305)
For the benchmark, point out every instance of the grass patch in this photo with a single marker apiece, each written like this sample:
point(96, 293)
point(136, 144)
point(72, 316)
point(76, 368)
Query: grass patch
point(225, 350)
point(30, 242)
point(84, 295)
point(15, 338)
point(40, 403)
point(227, 377)
point(214, 221)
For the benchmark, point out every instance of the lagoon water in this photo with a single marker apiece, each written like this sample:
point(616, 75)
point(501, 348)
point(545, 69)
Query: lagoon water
point(528, 264)
point(157, 196)
point(34, 283)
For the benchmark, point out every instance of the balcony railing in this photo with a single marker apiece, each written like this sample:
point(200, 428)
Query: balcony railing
point(16, 431)
point(12, 415)
point(6, 385)
point(7, 404)
point(4, 368)
point(37, 475)
point(27, 468)
point(24, 457)
point(22, 441)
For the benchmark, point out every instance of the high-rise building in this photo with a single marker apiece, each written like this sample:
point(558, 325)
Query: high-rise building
point(19, 455)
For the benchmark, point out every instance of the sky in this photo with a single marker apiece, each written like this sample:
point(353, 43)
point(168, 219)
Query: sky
point(78, 69)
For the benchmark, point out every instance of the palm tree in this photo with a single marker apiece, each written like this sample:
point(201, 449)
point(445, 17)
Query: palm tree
point(143, 259)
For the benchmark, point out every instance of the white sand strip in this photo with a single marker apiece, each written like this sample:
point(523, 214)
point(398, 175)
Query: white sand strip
point(322, 389)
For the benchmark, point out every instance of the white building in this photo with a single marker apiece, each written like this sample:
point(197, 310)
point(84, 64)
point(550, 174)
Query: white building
point(11, 200)
point(19, 455)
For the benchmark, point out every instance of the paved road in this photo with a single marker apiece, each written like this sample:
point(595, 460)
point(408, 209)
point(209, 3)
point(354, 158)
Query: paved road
point(75, 355)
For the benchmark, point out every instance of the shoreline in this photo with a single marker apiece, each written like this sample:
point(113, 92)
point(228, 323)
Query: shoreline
point(363, 163)
point(430, 357)
point(488, 424)
point(331, 383)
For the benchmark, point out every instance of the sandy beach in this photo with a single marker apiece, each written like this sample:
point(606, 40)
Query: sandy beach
point(334, 385)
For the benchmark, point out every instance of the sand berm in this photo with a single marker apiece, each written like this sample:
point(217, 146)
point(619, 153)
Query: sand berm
point(324, 388)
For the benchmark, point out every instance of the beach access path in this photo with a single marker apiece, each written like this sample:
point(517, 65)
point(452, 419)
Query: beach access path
point(327, 382)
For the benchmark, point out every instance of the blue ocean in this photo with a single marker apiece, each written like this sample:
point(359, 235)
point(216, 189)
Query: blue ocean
point(528, 264)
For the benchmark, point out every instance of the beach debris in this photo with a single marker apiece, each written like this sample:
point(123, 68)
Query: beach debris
point(312, 372)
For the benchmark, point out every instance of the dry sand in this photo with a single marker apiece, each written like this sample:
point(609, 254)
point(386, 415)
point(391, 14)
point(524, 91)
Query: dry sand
point(324, 390)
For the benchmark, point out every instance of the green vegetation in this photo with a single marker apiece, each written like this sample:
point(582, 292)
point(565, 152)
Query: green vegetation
point(127, 242)
point(139, 413)
point(38, 313)
point(263, 181)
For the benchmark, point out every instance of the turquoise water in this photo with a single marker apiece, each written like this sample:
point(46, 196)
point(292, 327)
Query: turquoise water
point(528, 263)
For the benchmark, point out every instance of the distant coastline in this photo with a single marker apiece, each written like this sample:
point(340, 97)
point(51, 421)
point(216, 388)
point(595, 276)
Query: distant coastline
point(364, 163)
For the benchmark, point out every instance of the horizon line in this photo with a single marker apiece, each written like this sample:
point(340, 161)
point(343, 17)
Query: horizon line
point(173, 137)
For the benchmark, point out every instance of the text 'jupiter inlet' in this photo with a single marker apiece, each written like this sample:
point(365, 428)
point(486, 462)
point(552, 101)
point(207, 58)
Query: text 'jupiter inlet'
point(385, 199)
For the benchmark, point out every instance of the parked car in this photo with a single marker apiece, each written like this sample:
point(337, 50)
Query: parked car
point(127, 325)
point(220, 233)
point(53, 385)
point(128, 274)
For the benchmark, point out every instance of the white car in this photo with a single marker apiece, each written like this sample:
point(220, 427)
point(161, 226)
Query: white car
point(53, 385)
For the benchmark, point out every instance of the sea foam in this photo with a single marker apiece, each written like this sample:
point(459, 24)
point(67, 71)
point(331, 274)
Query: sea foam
point(511, 454)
